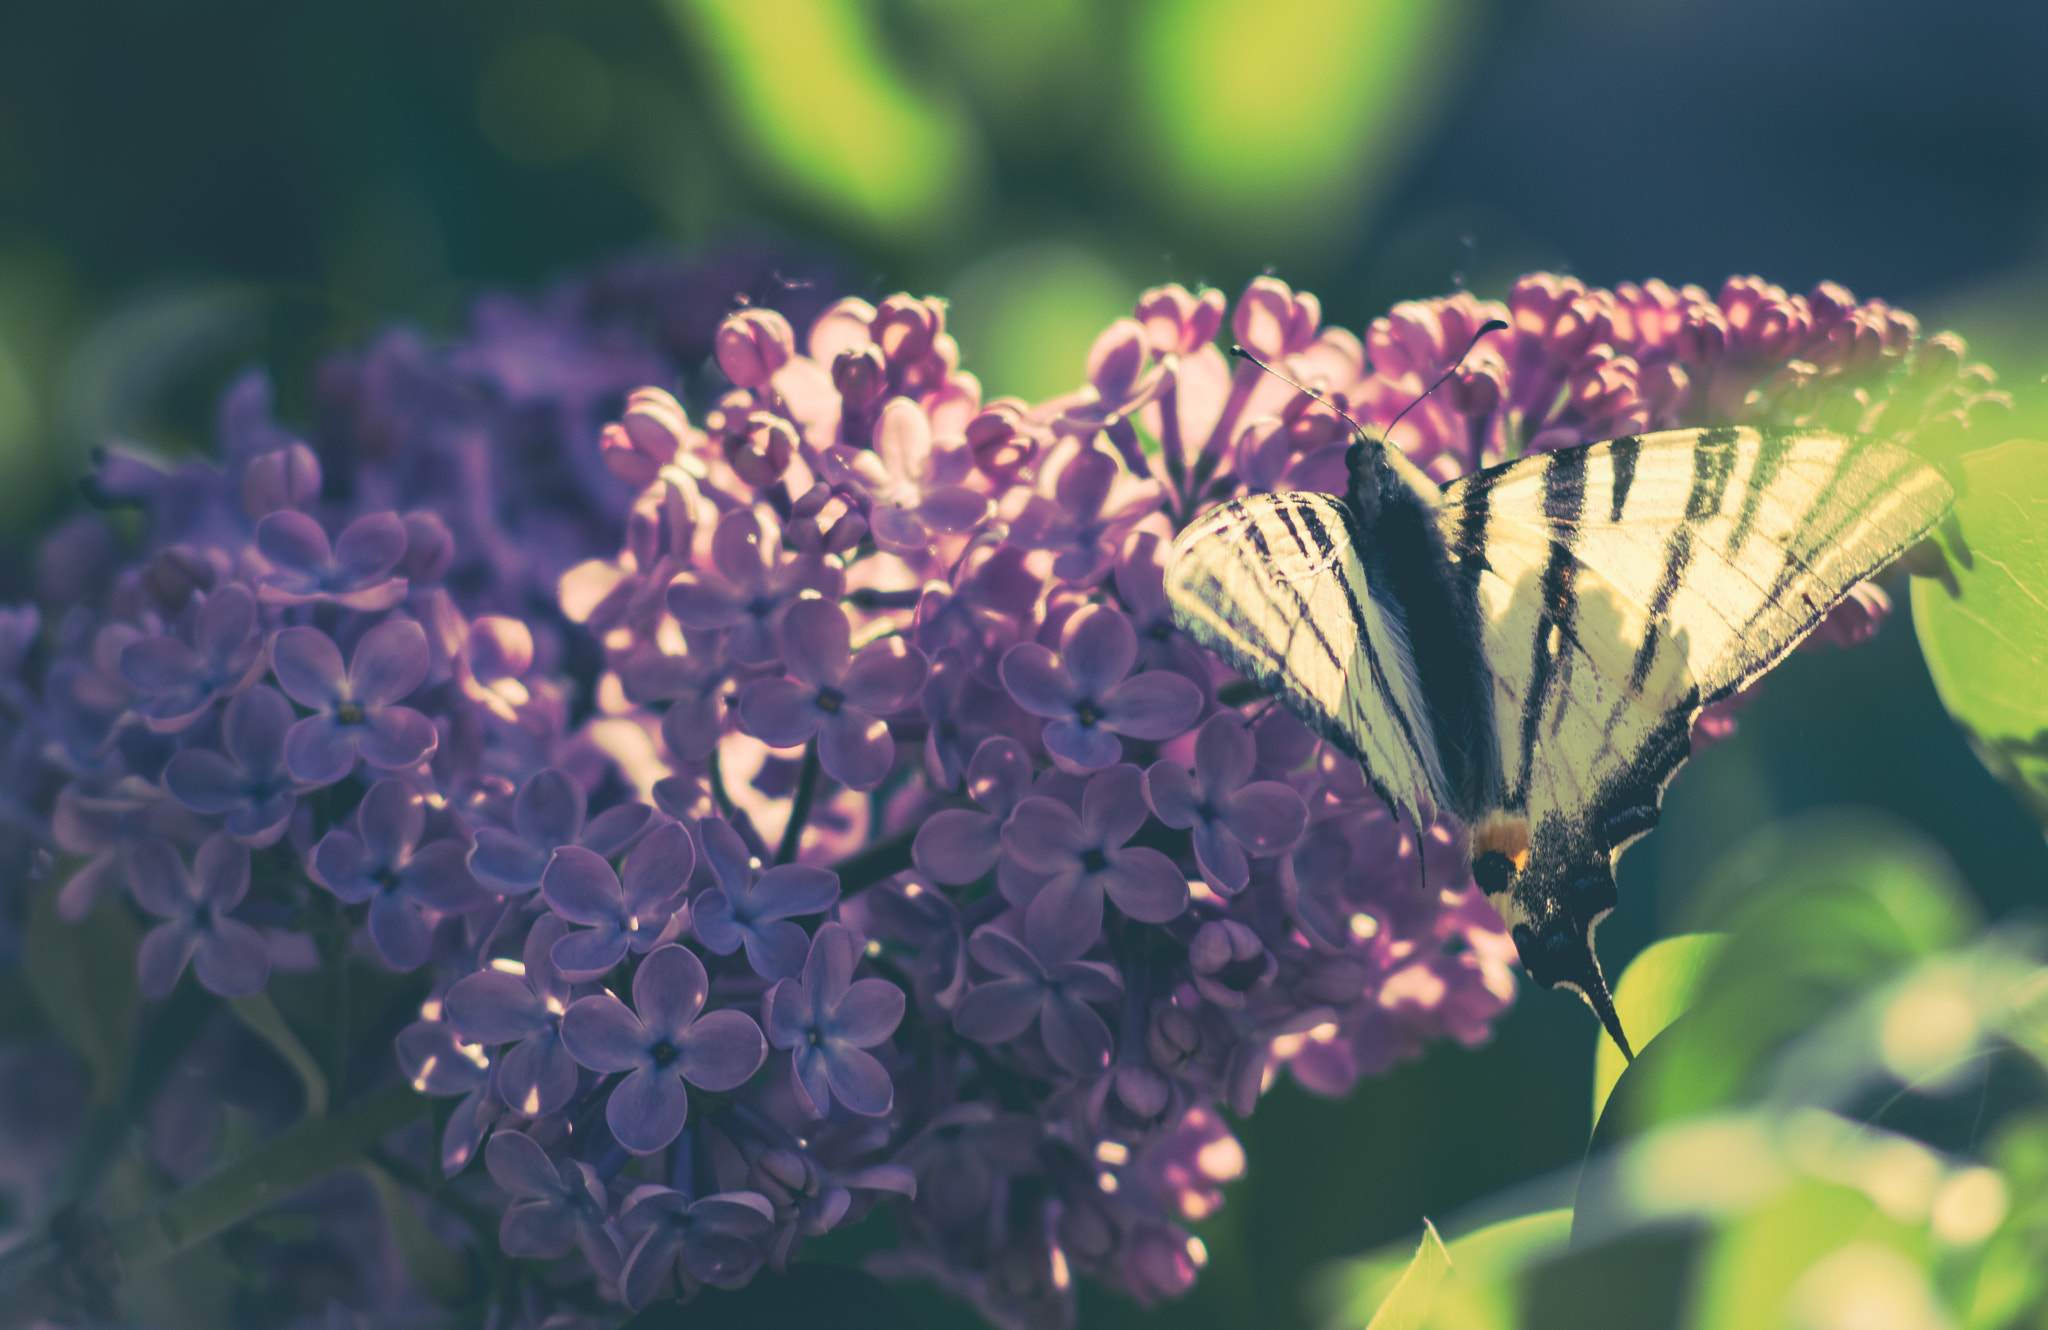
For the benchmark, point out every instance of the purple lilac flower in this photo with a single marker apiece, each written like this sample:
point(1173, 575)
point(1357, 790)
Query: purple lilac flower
point(664, 1040)
point(911, 487)
point(1230, 818)
point(1048, 984)
point(524, 1009)
point(183, 679)
point(636, 914)
point(555, 1206)
point(754, 587)
point(548, 813)
point(354, 573)
point(383, 863)
point(439, 1061)
point(1085, 858)
point(925, 920)
point(958, 845)
point(354, 709)
point(836, 695)
point(1228, 962)
point(248, 785)
point(756, 909)
point(810, 1199)
point(713, 1241)
point(228, 955)
point(828, 1020)
point(1085, 697)
point(1094, 504)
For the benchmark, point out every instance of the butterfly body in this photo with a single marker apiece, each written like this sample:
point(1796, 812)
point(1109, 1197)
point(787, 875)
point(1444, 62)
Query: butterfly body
point(1527, 649)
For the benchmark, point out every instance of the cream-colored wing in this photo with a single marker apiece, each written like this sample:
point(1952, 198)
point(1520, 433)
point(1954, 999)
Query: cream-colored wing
point(1273, 584)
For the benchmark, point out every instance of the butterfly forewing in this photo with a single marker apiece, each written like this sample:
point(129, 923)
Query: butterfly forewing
point(1274, 586)
point(1625, 585)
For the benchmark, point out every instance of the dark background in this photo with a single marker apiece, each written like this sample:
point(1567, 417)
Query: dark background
point(189, 188)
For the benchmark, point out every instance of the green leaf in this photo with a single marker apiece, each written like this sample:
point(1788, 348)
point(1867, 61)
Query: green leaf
point(83, 977)
point(1658, 986)
point(1818, 909)
point(260, 1014)
point(1984, 628)
point(441, 1271)
point(1409, 1305)
point(1486, 1262)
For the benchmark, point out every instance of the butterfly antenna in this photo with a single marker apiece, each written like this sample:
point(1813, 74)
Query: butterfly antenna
point(1490, 326)
point(1309, 393)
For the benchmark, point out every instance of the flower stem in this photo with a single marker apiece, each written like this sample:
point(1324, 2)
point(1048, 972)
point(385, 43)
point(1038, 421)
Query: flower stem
point(800, 813)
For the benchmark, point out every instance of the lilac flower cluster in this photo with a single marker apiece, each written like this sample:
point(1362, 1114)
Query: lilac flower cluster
point(860, 830)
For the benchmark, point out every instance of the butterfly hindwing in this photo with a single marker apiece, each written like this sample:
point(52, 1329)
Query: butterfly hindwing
point(1274, 585)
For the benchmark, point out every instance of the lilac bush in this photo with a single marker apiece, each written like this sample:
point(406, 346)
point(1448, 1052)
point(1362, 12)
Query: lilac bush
point(941, 871)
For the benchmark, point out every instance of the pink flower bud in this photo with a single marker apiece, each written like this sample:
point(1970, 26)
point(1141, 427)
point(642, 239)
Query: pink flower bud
point(752, 345)
point(1117, 359)
point(1533, 300)
point(429, 548)
point(1177, 322)
point(1602, 383)
point(761, 453)
point(861, 376)
point(841, 328)
point(905, 328)
point(1409, 340)
point(1703, 337)
point(1000, 446)
point(1475, 391)
point(1831, 302)
point(1666, 387)
point(1273, 321)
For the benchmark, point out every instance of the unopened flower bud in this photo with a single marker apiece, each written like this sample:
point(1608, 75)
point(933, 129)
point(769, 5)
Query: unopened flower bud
point(785, 1177)
point(861, 376)
point(1271, 320)
point(1086, 1231)
point(1703, 337)
point(179, 571)
point(752, 345)
point(1937, 360)
point(1229, 962)
point(1666, 387)
point(1173, 1038)
point(761, 454)
point(905, 328)
point(429, 547)
point(286, 478)
point(1000, 446)
point(1533, 301)
point(1476, 390)
point(1178, 322)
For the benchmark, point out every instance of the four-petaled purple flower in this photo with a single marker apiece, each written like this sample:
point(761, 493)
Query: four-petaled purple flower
point(547, 814)
point(757, 911)
point(384, 863)
point(828, 1020)
point(1080, 521)
point(523, 1008)
point(836, 695)
point(1086, 857)
point(634, 915)
point(249, 787)
point(354, 573)
point(224, 656)
point(1085, 698)
point(1051, 985)
point(659, 1044)
point(957, 846)
point(355, 708)
point(1230, 819)
point(554, 1207)
point(711, 1241)
point(912, 488)
point(757, 587)
point(228, 955)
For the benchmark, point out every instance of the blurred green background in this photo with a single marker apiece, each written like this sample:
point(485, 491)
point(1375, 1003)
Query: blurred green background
point(189, 188)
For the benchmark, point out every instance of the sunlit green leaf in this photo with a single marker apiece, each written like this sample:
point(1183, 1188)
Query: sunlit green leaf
point(1756, 1263)
point(2009, 1279)
point(818, 106)
point(1409, 1304)
point(1986, 641)
point(1657, 987)
point(441, 1271)
point(1818, 909)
